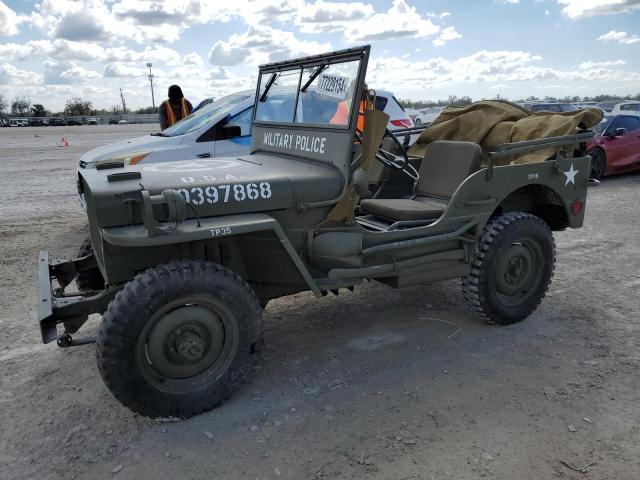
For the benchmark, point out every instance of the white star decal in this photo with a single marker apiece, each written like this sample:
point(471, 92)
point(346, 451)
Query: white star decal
point(571, 176)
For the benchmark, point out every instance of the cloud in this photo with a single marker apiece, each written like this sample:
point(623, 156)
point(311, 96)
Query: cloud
point(10, 75)
point(609, 63)
point(497, 67)
point(8, 20)
point(620, 37)
point(79, 26)
point(262, 44)
point(193, 59)
point(400, 21)
point(122, 70)
point(321, 16)
point(587, 8)
point(446, 35)
point(66, 73)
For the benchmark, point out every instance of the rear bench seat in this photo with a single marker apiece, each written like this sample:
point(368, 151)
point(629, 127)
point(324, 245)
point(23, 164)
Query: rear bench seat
point(446, 165)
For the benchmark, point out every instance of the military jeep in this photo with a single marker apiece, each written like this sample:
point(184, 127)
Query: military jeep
point(191, 251)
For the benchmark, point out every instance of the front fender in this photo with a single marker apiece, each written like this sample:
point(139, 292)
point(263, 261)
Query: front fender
point(208, 228)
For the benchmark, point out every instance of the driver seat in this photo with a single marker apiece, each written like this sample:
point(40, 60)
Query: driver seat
point(446, 164)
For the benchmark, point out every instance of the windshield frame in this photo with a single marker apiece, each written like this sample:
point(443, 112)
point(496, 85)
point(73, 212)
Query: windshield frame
point(351, 55)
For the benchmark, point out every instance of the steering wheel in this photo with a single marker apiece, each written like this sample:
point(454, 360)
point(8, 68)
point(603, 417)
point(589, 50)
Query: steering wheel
point(389, 159)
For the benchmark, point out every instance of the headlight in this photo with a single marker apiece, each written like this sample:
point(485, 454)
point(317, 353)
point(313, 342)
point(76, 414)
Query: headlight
point(126, 159)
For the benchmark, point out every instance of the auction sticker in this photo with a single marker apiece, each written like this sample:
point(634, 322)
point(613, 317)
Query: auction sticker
point(333, 85)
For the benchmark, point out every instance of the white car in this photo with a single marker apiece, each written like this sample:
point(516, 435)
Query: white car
point(122, 122)
point(92, 121)
point(627, 108)
point(427, 115)
point(200, 134)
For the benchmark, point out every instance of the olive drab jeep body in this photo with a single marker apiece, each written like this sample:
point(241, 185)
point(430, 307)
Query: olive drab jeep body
point(191, 251)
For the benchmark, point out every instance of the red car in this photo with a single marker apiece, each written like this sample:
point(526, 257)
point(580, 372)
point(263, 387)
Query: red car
point(616, 147)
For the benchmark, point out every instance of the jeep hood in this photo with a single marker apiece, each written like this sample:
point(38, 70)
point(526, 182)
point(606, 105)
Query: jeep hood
point(213, 187)
point(133, 145)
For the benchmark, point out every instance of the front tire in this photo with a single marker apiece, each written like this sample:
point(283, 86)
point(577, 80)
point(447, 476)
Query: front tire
point(598, 163)
point(89, 279)
point(512, 270)
point(176, 340)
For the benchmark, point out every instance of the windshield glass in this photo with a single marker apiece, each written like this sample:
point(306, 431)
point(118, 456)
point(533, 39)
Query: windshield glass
point(205, 115)
point(319, 94)
point(602, 126)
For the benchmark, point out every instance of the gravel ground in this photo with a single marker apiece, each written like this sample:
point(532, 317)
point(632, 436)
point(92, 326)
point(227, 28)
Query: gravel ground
point(380, 384)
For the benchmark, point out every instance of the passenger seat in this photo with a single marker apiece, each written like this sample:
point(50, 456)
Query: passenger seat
point(446, 165)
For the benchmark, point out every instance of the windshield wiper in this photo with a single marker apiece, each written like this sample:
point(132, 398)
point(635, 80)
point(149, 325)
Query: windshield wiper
point(271, 81)
point(313, 76)
point(159, 134)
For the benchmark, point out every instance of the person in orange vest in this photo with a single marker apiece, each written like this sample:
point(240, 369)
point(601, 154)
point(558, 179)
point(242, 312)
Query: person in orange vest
point(341, 117)
point(175, 108)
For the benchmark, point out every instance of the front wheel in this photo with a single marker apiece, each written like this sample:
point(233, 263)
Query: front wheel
point(513, 266)
point(89, 279)
point(176, 340)
point(598, 163)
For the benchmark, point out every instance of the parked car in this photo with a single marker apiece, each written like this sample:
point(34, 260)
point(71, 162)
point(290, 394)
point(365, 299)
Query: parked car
point(627, 108)
point(73, 122)
point(608, 106)
point(581, 105)
point(552, 107)
point(92, 121)
point(122, 122)
point(38, 122)
point(15, 123)
point(58, 122)
point(616, 147)
point(4, 123)
point(113, 121)
point(427, 115)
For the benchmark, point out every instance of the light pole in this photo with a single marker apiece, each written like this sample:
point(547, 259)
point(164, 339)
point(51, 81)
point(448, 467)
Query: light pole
point(153, 100)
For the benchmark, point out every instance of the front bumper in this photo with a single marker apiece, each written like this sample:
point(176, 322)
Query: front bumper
point(55, 306)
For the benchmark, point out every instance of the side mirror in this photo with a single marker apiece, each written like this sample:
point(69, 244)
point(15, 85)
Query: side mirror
point(620, 131)
point(231, 130)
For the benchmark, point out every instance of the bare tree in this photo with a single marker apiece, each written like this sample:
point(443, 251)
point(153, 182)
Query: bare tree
point(78, 106)
point(4, 103)
point(20, 106)
point(39, 110)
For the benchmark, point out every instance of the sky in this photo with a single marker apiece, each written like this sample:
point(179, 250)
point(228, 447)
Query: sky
point(53, 50)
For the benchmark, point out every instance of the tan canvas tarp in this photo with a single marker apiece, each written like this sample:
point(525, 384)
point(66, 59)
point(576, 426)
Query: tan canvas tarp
point(493, 122)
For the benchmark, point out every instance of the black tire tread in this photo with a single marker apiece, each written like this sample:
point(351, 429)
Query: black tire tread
point(143, 288)
point(471, 285)
point(91, 279)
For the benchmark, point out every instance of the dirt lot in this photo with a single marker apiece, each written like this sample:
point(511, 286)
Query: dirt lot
point(383, 384)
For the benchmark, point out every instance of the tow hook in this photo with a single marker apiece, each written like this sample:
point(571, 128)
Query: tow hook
point(66, 340)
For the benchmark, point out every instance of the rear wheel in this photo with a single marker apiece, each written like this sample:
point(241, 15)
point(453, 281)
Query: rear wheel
point(89, 279)
point(176, 340)
point(513, 265)
point(598, 163)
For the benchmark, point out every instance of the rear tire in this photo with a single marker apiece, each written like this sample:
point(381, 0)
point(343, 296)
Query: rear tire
point(176, 340)
point(512, 270)
point(89, 279)
point(598, 163)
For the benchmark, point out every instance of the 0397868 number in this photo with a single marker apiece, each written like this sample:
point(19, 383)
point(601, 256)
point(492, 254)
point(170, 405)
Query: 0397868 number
point(225, 193)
